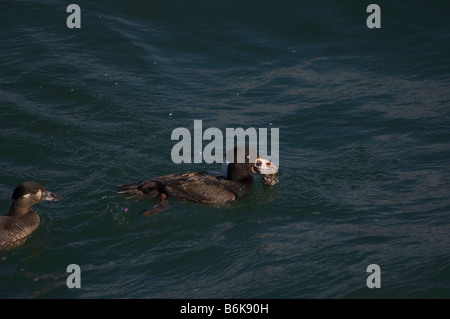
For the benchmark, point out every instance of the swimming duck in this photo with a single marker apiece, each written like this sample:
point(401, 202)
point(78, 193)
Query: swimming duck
point(203, 187)
point(22, 219)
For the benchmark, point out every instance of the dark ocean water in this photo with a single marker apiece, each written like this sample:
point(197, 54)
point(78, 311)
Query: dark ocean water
point(363, 116)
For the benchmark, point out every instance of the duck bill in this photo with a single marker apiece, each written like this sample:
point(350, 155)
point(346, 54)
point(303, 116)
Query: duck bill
point(264, 167)
point(267, 169)
point(49, 196)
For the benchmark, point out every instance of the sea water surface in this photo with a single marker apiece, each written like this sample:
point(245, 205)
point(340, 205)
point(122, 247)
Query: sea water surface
point(363, 116)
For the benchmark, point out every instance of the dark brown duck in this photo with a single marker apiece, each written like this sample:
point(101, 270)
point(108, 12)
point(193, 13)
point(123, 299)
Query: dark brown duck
point(202, 187)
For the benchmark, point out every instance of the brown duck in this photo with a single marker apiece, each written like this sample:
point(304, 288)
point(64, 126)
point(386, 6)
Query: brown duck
point(22, 220)
point(202, 187)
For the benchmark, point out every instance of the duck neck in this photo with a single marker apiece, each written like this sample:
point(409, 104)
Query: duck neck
point(245, 185)
point(20, 207)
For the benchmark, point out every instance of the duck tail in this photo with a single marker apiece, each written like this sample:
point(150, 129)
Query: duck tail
point(141, 190)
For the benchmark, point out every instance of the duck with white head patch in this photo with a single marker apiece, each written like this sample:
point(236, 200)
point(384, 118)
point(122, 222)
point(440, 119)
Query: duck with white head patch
point(201, 187)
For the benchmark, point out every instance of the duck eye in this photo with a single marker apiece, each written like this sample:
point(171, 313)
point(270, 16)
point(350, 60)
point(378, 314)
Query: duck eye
point(268, 163)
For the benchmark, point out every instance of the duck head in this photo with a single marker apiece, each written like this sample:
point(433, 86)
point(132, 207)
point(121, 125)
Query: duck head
point(27, 194)
point(240, 162)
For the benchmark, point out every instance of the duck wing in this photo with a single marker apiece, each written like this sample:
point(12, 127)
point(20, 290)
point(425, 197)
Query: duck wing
point(198, 187)
point(14, 230)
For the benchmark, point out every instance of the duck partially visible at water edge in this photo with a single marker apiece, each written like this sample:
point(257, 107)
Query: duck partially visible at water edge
point(22, 219)
point(203, 187)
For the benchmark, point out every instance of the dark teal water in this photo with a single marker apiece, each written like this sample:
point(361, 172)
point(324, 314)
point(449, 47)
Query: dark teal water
point(363, 116)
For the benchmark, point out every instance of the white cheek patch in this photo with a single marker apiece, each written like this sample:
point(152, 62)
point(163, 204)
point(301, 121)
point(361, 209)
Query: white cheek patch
point(265, 167)
point(39, 194)
point(26, 196)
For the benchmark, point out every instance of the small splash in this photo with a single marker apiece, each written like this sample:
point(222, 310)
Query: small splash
point(118, 212)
